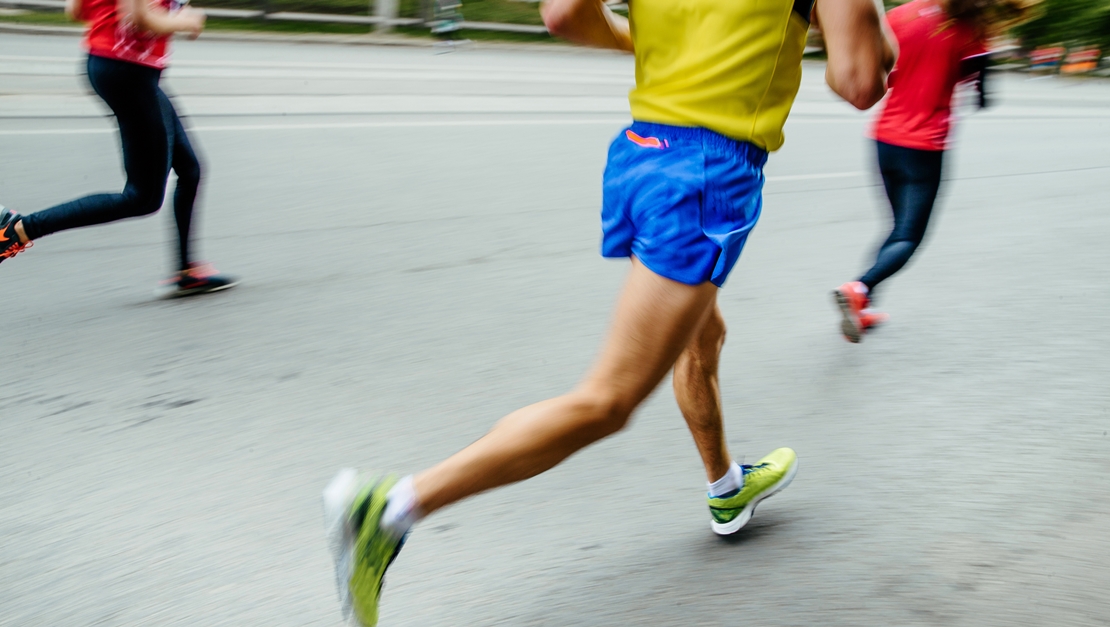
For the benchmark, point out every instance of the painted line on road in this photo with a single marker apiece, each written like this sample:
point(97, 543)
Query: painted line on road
point(62, 131)
point(481, 123)
point(336, 125)
point(814, 177)
point(417, 124)
point(621, 73)
point(350, 125)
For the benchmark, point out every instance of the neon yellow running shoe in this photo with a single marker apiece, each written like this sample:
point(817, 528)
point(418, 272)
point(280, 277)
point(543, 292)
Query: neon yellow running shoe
point(770, 475)
point(353, 508)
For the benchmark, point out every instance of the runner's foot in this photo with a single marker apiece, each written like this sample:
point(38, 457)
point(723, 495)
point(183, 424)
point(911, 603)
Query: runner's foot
point(761, 480)
point(353, 508)
point(10, 242)
point(200, 278)
point(869, 319)
point(853, 300)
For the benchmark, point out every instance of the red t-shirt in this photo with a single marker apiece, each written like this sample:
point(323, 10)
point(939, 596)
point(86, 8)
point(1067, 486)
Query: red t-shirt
point(918, 108)
point(109, 37)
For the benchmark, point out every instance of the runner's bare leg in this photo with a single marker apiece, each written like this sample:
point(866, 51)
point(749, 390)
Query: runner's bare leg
point(699, 396)
point(654, 322)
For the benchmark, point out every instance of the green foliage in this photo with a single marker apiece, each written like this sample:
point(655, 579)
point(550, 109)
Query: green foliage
point(1072, 23)
point(1068, 22)
point(510, 11)
point(39, 18)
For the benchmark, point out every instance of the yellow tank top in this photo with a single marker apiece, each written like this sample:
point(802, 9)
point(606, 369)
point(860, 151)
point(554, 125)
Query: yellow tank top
point(732, 66)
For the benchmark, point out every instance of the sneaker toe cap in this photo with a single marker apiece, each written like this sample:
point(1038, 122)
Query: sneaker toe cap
point(780, 458)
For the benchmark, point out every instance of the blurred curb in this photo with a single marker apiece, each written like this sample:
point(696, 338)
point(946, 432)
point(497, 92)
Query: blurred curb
point(337, 39)
point(37, 29)
point(322, 38)
point(368, 40)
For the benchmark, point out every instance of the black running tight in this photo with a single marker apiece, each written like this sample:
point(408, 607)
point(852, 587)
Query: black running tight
point(912, 179)
point(153, 142)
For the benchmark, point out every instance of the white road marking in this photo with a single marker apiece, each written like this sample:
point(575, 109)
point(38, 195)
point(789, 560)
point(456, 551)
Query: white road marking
point(813, 177)
point(338, 125)
point(406, 124)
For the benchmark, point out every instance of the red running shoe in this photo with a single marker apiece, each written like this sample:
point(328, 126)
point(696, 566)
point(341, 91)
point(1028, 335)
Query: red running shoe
point(869, 319)
point(854, 304)
point(10, 244)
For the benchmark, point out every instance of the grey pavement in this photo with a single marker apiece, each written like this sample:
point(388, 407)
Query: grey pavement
point(417, 236)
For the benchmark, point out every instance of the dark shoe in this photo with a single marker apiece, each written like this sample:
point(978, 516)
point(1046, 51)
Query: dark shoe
point(200, 278)
point(10, 244)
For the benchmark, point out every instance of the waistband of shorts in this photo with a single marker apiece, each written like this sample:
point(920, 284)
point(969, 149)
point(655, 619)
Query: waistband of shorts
point(700, 135)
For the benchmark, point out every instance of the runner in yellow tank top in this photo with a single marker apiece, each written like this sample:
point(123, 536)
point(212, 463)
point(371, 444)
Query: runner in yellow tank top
point(735, 74)
point(715, 80)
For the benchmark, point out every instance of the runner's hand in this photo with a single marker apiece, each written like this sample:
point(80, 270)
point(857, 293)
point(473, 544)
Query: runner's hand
point(191, 21)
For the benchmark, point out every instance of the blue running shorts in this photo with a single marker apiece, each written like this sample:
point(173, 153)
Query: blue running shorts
point(681, 199)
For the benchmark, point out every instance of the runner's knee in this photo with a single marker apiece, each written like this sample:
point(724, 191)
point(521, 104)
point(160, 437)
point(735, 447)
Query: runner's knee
point(713, 331)
point(188, 174)
point(703, 350)
point(608, 410)
point(907, 234)
point(141, 202)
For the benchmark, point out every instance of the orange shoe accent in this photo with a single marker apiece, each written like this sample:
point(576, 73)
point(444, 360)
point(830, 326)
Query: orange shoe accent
point(645, 142)
point(201, 270)
point(852, 299)
point(10, 242)
point(871, 319)
point(14, 249)
point(197, 271)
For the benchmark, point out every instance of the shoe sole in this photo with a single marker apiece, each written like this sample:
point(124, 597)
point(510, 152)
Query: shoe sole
point(848, 325)
point(172, 294)
point(338, 497)
point(736, 524)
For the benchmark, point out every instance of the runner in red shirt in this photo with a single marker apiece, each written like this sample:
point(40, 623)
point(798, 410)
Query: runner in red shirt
point(941, 43)
point(128, 49)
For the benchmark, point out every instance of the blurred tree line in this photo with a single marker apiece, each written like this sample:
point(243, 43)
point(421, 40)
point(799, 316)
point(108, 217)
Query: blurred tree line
point(1071, 23)
point(1068, 22)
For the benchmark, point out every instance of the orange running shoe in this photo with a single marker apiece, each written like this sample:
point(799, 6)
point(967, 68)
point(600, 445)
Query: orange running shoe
point(854, 304)
point(10, 244)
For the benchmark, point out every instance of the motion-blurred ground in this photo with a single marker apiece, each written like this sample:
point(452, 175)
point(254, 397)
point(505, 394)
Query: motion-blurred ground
point(417, 237)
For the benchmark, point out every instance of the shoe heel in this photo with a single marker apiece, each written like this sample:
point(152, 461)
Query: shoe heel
point(848, 326)
point(338, 495)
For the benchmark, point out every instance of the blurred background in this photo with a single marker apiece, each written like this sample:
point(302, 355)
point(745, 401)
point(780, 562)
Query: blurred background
point(417, 237)
point(1058, 26)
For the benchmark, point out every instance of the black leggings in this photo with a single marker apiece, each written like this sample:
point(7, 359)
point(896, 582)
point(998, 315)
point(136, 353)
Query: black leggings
point(911, 178)
point(153, 142)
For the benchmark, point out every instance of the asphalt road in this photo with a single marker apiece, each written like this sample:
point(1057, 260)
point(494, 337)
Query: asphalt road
point(417, 236)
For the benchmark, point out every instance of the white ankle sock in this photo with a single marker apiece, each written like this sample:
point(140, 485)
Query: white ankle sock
point(733, 480)
point(401, 512)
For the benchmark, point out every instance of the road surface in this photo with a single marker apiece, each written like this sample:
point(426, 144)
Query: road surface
point(417, 235)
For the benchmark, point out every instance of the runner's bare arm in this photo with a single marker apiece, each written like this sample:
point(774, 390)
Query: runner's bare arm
point(159, 21)
point(587, 22)
point(73, 9)
point(861, 52)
